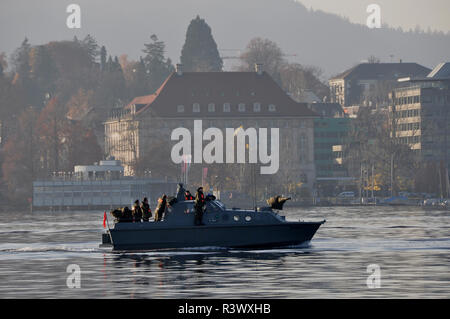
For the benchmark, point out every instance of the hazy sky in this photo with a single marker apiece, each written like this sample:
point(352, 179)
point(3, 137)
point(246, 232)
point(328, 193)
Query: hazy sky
point(397, 13)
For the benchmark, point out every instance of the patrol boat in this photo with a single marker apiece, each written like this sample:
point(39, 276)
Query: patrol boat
point(222, 227)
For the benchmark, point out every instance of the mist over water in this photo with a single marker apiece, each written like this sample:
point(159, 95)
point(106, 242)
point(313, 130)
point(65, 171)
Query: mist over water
point(410, 245)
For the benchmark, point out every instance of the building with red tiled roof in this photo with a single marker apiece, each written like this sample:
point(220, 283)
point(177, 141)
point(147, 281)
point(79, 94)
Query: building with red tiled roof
point(221, 100)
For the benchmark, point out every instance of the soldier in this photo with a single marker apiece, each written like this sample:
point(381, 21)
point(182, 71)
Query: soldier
point(146, 211)
point(127, 215)
point(277, 202)
point(199, 206)
point(137, 212)
point(160, 208)
point(188, 196)
point(180, 192)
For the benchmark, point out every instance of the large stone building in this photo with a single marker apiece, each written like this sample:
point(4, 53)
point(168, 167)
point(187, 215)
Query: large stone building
point(420, 114)
point(367, 82)
point(221, 100)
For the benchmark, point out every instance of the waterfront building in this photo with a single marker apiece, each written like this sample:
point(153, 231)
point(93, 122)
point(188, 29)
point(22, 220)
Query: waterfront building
point(221, 100)
point(367, 83)
point(419, 112)
point(98, 186)
point(330, 133)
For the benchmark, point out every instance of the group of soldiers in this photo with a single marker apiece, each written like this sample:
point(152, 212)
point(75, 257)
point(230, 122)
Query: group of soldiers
point(141, 212)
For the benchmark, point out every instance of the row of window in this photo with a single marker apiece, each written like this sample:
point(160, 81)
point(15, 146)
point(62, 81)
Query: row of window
point(438, 99)
point(409, 140)
point(408, 126)
point(330, 134)
point(407, 113)
point(407, 100)
point(226, 107)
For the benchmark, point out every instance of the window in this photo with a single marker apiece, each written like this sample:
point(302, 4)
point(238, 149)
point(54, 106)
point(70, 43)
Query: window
point(236, 218)
point(211, 107)
point(272, 108)
point(226, 107)
point(241, 107)
point(180, 108)
point(256, 107)
point(196, 108)
point(248, 218)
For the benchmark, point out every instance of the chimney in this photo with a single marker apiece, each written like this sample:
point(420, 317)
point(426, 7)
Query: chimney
point(259, 68)
point(179, 69)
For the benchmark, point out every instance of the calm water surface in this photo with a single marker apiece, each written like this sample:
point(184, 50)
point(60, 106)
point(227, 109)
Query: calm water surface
point(410, 245)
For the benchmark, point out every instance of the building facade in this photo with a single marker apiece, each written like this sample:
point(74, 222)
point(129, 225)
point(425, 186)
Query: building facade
point(221, 100)
point(98, 186)
point(367, 82)
point(420, 114)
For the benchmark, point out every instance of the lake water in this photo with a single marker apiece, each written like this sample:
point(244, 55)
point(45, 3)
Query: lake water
point(410, 246)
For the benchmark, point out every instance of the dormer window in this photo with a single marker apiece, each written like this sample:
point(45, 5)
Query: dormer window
point(196, 108)
point(180, 108)
point(226, 107)
point(241, 107)
point(211, 107)
point(256, 107)
point(272, 108)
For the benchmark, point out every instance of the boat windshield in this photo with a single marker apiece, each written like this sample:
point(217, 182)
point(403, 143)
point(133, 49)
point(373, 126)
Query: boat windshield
point(218, 205)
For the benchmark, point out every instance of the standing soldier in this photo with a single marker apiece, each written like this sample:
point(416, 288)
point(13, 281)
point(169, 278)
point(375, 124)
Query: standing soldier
point(161, 208)
point(180, 192)
point(199, 206)
point(146, 211)
point(137, 212)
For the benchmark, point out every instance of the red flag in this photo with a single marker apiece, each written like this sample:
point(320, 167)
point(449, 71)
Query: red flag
point(104, 220)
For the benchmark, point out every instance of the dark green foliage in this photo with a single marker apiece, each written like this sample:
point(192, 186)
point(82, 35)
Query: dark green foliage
point(157, 67)
point(199, 53)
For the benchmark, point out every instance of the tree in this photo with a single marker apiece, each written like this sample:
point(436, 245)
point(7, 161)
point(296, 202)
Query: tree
point(103, 55)
point(157, 67)
point(200, 53)
point(21, 157)
point(52, 127)
point(90, 45)
point(265, 52)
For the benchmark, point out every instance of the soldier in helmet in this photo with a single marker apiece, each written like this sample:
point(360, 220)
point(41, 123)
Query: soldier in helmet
point(180, 192)
point(146, 211)
point(137, 212)
point(160, 208)
point(127, 215)
point(199, 206)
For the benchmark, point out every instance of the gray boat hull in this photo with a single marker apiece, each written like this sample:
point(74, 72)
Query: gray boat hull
point(144, 237)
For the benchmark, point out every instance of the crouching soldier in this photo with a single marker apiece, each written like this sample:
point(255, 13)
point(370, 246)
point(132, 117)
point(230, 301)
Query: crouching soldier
point(161, 208)
point(137, 212)
point(146, 211)
point(199, 205)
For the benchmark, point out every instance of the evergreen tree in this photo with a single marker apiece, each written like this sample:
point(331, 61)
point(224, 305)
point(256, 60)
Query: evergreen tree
point(199, 53)
point(103, 55)
point(157, 67)
point(90, 45)
point(20, 59)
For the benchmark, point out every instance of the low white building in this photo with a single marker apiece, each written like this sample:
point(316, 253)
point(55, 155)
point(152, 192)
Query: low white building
point(98, 186)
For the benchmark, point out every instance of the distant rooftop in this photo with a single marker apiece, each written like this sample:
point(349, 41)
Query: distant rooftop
point(440, 72)
point(383, 71)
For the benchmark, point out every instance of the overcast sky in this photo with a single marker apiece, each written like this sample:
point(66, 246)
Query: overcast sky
point(397, 13)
